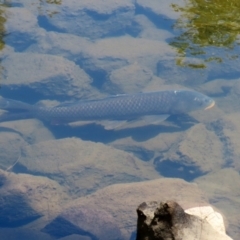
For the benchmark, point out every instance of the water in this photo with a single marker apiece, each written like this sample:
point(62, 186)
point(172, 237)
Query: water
point(55, 51)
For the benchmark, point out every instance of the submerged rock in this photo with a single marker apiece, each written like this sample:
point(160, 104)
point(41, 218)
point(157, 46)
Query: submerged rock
point(84, 221)
point(111, 210)
point(26, 198)
point(45, 74)
point(82, 166)
point(93, 19)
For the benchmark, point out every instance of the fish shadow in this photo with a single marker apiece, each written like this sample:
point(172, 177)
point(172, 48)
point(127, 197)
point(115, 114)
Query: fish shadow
point(97, 133)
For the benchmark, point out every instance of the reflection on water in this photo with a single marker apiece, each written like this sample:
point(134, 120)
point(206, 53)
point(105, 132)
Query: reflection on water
point(204, 24)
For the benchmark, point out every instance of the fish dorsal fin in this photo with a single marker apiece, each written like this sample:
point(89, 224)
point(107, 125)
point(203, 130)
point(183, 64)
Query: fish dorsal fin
point(118, 95)
point(66, 104)
point(70, 104)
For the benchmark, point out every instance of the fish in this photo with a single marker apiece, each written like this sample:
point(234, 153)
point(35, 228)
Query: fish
point(113, 111)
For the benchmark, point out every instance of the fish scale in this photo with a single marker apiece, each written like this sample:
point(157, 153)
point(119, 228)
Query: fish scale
point(120, 107)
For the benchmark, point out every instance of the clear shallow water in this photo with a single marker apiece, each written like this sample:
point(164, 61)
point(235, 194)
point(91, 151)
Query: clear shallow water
point(62, 51)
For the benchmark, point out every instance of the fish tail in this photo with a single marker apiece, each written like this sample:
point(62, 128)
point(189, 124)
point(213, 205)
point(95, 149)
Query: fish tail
point(16, 110)
point(15, 116)
point(9, 104)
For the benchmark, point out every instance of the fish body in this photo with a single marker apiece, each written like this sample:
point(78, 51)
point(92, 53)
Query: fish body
point(125, 107)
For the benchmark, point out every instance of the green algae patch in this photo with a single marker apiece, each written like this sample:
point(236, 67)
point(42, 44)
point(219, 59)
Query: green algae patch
point(180, 62)
point(206, 24)
point(2, 26)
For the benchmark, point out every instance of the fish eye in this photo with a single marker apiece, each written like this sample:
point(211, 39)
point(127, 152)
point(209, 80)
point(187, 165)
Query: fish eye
point(200, 103)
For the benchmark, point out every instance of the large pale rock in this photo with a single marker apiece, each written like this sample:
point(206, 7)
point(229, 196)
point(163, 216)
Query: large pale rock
point(144, 28)
point(25, 198)
point(22, 26)
point(223, 189)
point(93, 19)
point(83, 166)
point(119, 202)
point(170, 70)
point(113, 53)
point(31, 130)
point(10, 148)
point(102, 57)
point(228, 129)
point(208, 153)
point(193, 155)
point(76, 237)
point(21, 233)
point(45, 74)
point(92, 222)
point(16, 135)
point(163, 10)
point(55, 43)
point(227, 69)
point(148, 142)
point(131, 78)
point(215, 219)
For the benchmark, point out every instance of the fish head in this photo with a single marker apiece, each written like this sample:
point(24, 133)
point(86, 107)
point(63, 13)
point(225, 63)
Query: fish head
point(188, 101)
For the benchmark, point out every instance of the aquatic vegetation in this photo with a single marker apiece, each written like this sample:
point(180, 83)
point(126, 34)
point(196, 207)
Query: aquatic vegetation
point(207, 23)
point(54, 1)
point(44, 8)
point(2, 27)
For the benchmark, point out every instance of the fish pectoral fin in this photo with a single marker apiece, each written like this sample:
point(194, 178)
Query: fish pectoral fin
point(80, 123)
point(112, 124)
point(155, 119)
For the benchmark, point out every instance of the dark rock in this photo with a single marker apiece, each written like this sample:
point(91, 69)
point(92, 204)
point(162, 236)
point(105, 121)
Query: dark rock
point(168, 221)
point(158, 221)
